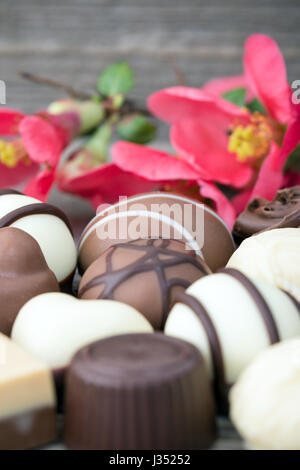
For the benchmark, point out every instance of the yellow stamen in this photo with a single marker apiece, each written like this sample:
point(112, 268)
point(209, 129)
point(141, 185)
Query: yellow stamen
point(12, 153)
point(7, 154)
point(251, 141)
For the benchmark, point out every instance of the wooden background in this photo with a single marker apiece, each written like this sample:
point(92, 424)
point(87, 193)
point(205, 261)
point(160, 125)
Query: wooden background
point(72, 40)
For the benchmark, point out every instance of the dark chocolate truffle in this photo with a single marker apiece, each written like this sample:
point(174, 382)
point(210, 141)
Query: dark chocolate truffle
point(23, 274)
point(139, 391)
point(146, 274)
point(260, 215)
point(154, 215)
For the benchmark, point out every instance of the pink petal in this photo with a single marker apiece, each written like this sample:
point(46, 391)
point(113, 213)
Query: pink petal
point(240, 201)
point(203, 144)
point(291, 178)
point(223, 206)
point(269, 178)
point(9, 121)
point(218, 86)
point(41, 140)
point(266, 73)
point(105, 184)
point(150, 163)
point(10, 177)
point(291, 137)
point(177, 103)
point(41, 185)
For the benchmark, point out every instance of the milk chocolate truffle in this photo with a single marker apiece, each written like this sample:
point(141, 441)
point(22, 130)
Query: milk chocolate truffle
point(27, 405)
point(231, 318)
point(261, 214)
point(23, 274)
point(146, 274)
point(137, 392)
point(264, 403)
point(44, 222)
point(273, 256)
point(158, 215)
point(54, 326)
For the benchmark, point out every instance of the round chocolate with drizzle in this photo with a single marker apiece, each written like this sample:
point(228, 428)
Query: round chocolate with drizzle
point(154, 215)
point(231, 318)
point(260, 215)
point(146, 274)
point(47, 224)
point(145, 391)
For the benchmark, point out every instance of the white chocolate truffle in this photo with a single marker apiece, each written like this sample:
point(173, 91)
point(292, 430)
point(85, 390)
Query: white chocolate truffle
point(273, 256)
point(264, 403)
point(44, 224)
point(231, 319)
point(55, 325)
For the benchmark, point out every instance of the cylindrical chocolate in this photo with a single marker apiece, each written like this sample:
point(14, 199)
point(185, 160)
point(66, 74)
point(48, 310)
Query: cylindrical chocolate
point(139, 391)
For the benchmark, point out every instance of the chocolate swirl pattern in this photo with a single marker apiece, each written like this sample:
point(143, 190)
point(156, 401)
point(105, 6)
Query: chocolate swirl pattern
point(157, 256)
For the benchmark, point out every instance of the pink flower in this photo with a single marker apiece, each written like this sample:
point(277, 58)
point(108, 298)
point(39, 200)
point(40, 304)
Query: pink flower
point(229, 144)
point(171, 173)
point(33, 149)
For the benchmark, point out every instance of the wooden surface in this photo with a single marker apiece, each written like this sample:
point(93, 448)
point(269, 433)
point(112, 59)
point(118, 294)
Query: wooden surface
point(72, 40)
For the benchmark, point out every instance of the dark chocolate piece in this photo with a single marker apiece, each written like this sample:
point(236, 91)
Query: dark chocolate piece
point(261, 215)
point(3, 192)
point(137, 392)
point(159, 268)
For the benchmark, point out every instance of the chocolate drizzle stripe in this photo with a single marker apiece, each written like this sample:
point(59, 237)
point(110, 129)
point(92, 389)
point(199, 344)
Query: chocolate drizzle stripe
point(263, 307)
point(4, 192)
point(214, 343)
point(33, 209)
point(149, 261)
point(295, 301)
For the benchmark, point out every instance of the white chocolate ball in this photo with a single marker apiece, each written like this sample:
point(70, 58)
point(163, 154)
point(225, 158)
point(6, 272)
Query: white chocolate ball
point(273, 256)
point(54, 326)
point(51, 233)
point(264, 403)
point(238, 322)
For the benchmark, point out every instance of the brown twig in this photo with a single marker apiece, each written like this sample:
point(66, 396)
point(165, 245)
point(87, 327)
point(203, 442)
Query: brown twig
point(179, 75)
point(71, 91)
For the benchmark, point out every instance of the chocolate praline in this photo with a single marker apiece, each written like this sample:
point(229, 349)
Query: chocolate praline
point(23, 274)
point(169, 216)
point(261, 215)
point(146, 274)
point(138, 392)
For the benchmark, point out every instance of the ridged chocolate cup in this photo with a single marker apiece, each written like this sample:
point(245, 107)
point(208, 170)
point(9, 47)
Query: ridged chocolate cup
point(138, 392)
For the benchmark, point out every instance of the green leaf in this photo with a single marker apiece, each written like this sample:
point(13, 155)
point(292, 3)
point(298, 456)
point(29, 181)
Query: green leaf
point(236, 96)
point(256, 105)
point(117, 78)
point(293, 161)
point(136, 128)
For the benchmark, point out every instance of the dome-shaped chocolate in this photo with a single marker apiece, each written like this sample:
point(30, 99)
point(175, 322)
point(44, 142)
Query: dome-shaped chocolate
point(146, 274)
point(24, 274)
